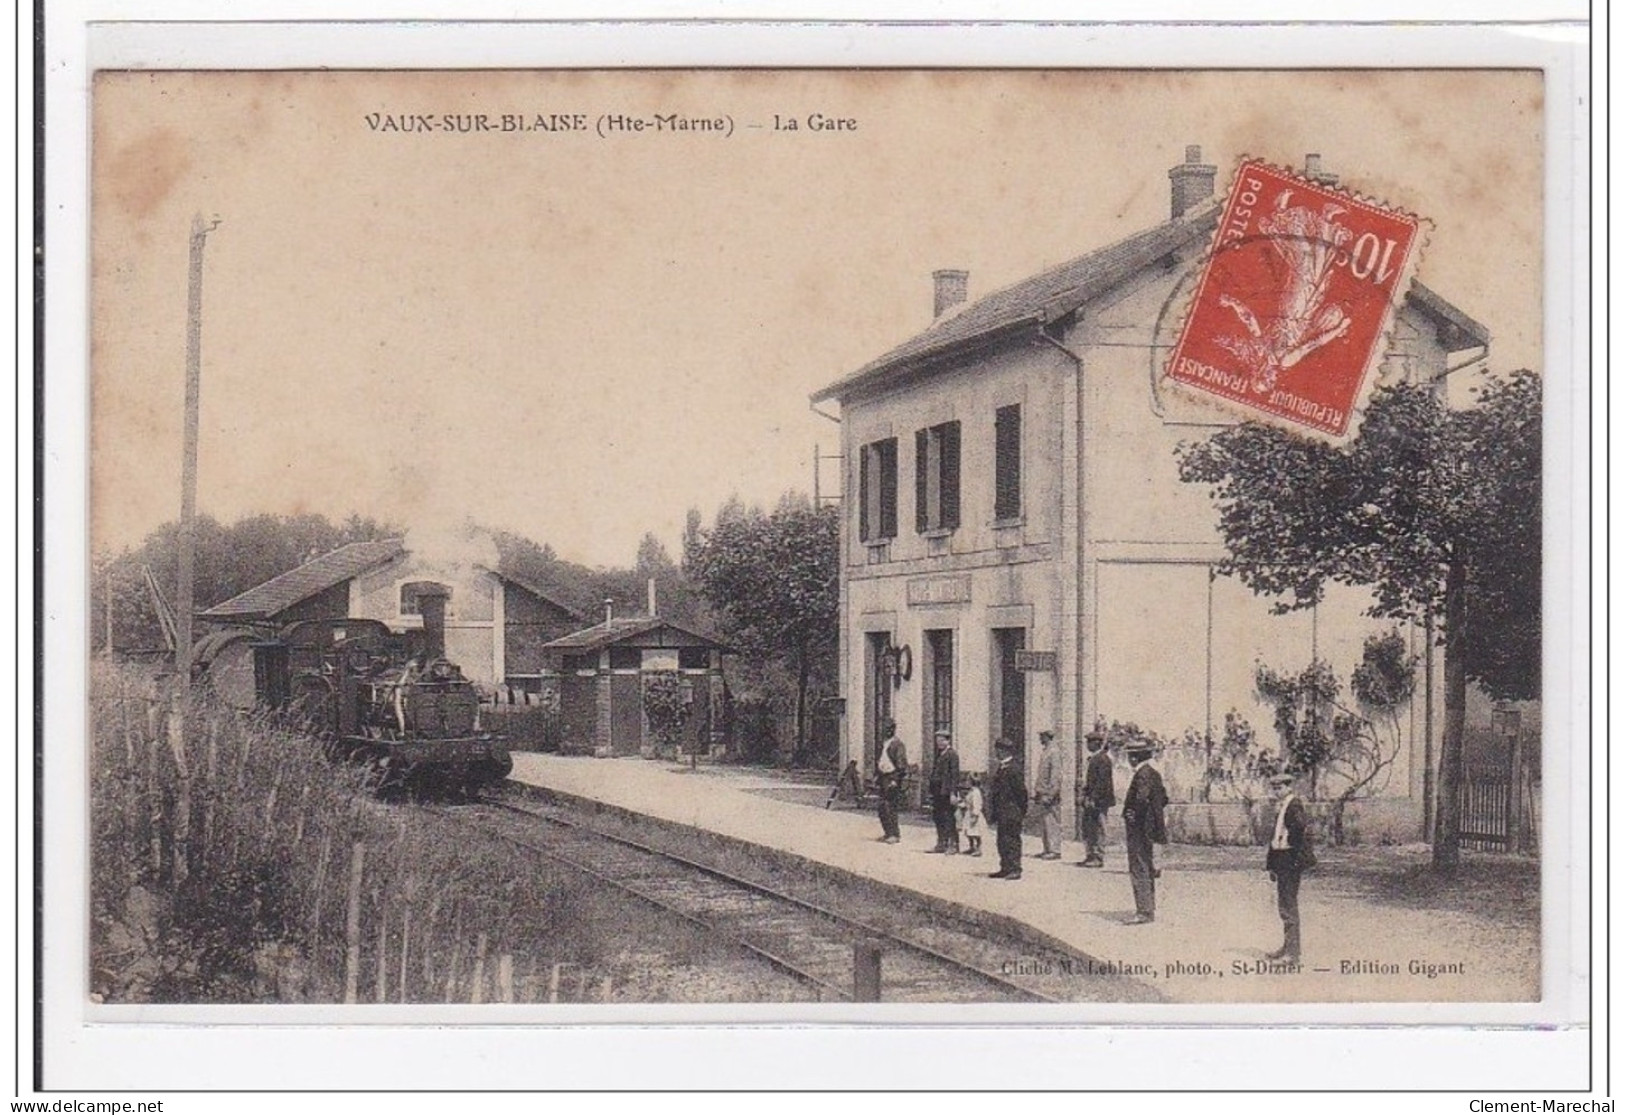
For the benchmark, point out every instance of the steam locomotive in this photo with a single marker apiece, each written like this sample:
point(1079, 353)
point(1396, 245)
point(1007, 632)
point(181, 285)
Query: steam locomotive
point(393, 703)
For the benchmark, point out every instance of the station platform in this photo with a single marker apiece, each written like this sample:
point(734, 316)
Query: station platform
point(1368, 937)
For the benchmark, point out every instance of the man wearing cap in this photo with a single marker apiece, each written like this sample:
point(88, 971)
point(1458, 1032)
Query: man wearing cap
point(1099, 795)
point(943, 785)
point(1144, 827)
point(1289, 856)
point(1007, 806)
point(891, 767)
point(1047, 794)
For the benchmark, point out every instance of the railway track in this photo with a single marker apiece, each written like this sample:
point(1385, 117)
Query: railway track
point(801, 938)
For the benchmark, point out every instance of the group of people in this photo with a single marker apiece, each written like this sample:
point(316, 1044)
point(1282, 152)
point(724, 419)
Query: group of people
point(960, 809)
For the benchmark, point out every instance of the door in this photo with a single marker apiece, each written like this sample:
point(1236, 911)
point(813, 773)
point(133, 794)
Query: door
point(939, 696)
point(578, 704)
point(1010, 687)
point(877, 694)
point(626, 713)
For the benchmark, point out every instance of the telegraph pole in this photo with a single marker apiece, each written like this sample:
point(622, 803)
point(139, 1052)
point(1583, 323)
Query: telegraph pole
point(194, 355)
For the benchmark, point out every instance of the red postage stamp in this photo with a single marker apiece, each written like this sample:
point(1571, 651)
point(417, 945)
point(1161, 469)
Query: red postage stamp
point(1294, 301)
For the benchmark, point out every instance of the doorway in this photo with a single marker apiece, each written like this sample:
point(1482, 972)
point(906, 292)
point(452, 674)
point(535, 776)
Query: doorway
point(1009, 688)
point(877, 694)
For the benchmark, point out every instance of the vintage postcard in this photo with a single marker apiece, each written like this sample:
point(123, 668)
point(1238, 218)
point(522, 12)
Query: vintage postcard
point(799, 544)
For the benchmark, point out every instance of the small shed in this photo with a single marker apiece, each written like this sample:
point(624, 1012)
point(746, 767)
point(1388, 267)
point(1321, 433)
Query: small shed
point(605, 669)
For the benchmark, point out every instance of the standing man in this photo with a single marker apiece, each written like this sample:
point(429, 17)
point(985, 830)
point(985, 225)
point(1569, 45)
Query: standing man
point(943, 785)
point(1007, 808)
point(1047, 794)
point(891, 766)
point(1290, 855)
point(1144, 827)
point(1099, 795)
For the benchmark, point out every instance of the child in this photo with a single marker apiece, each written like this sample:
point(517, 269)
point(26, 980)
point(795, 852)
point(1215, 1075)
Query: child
point(970, 813)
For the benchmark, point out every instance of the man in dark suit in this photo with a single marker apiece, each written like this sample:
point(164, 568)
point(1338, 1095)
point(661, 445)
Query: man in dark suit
point(891, 769)
point(1007, 808)
point(944, 783)
point(1099, 795)
point(1289, 856)
point(1144, 827)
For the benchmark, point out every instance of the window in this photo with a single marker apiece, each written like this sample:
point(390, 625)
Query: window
point(412, 591)
point(877, 491)
point(936, 478)
point(1007, 463)
point(625, 658)
point(693, 658)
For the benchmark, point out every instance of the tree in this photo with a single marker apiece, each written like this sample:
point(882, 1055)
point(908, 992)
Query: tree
point(1322, 735)
point(774, 581)
point(692, 536)
point(229, 560)
point(667, 702)
point(585, 589)
point(652, 559)
point(1436, 511)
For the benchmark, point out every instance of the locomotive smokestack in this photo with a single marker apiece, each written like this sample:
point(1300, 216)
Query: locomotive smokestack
point(432, 606)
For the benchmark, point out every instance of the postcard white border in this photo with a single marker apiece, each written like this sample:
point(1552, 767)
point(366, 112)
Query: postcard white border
point(167, 1048)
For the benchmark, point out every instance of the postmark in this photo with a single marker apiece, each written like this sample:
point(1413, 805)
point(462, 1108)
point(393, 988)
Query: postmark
point(1295, 300)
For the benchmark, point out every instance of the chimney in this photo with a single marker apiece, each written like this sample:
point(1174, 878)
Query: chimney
point(1191, 181)
point(432, 606)
point(609, 610)
point(1313, 172)
point(948, 289)
point(651, 596)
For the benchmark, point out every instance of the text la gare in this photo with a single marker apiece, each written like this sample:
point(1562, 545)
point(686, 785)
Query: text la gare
point(817, 122)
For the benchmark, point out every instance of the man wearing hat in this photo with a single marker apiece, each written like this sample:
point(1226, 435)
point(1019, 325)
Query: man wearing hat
point(891, 768)
point(1290, 854)
point(1144, 827)
point(1047, 794)
point(1007, 807)
point(1099, 795)
point(944, 783)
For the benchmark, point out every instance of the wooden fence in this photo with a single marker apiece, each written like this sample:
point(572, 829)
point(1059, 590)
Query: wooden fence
point(230, 862)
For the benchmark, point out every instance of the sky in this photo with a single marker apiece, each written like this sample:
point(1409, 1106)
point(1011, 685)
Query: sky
point(578, 335)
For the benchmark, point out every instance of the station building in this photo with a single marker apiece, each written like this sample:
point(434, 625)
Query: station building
point(1018, 551)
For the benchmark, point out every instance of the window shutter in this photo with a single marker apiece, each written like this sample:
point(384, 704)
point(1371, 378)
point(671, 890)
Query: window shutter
point(921, 518)
point(1007, 462)
point(950, 475)
point(864, 511)
point(888, 488)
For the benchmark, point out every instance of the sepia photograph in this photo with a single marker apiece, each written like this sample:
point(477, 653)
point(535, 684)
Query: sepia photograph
point(942, 537)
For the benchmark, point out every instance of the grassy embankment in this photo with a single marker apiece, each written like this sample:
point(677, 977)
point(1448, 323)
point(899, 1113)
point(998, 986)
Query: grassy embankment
point(235, 864)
